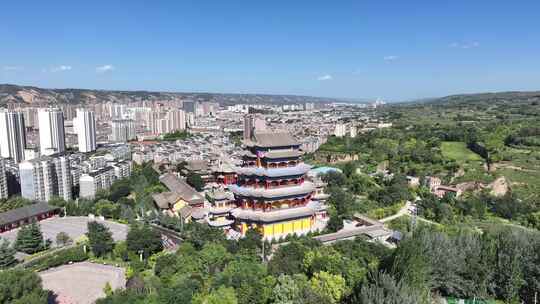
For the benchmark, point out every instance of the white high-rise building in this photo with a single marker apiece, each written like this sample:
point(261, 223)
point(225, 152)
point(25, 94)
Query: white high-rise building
point(46, 177)
point(85, 124)
point(3, 180)
point(177, 120)
point(123, 130)
point(354, 131)
point(12, 135)
point(51, 131)
point(341, 130)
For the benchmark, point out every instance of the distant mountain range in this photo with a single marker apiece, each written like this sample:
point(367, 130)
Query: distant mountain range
point(499, 97)
point(10, 93)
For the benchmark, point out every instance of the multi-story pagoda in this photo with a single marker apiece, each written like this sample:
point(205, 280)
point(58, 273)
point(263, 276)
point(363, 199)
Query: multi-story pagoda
point(271, 193)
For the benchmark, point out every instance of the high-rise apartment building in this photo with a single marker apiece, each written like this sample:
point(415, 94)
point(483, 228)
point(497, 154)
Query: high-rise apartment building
point(176, 120)
point(30, 117)
point(45, 177)
point(3, 180)
point(123, 130)
point(12, 135)
point(253, 123)
point(94, 181)
point(340, 130)
point(51, 131)
point(85, 124)
point(189, 106)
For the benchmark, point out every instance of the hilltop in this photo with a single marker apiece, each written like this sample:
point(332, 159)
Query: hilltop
point(10, 93)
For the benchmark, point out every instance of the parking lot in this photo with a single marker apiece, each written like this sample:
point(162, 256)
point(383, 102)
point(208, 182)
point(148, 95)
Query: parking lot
point(82, 283)
point(74, 226)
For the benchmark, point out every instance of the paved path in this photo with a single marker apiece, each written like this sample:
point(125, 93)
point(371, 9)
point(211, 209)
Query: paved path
point(74, 226)
point(82, 283)
point(403, 211)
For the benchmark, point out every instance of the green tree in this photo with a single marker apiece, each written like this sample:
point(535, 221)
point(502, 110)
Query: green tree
point(107, 290)
point(19, 286)
point(63, 239)
point(7, 255)
point(331, 286)
point(223, 295)
point(107, 209)
point(289, 258)
point(383, 289)
point(30, 239)
point(195, 181)
point(290, 289)
point(100, 238)
point(142, 238)
point(214, 257)
point(120, 251)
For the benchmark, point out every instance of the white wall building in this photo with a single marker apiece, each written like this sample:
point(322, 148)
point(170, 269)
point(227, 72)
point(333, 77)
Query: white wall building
point(123, 130)
point(51, 131)
point(12, 135)
point(3, 180)
point(92, 182)
point(341, 130)
point(46, 177)
point(85, 125)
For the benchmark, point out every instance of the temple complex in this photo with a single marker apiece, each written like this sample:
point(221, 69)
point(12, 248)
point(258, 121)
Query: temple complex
point(271, 193)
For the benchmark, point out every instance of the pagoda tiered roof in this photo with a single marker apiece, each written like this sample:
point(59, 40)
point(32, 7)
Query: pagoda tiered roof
point(299, 169)
point(277, 154)
point(302, 189)
point(273, 216)
point(270, 140)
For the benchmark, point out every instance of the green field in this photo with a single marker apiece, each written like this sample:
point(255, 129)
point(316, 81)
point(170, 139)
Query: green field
point(459, 152)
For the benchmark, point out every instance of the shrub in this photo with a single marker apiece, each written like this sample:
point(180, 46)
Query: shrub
point(58, 258)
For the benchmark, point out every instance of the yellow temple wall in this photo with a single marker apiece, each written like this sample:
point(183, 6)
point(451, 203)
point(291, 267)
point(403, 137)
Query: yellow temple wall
point(288, 227)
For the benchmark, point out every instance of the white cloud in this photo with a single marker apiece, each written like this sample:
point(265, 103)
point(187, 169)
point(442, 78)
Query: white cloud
point(390, 58)
point(12, 68)
point(325, 77)
point(465, 45)
point(61, 68)
point(105, 68)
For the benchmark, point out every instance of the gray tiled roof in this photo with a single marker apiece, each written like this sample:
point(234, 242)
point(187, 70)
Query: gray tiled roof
point(268, 140)
point(273, 216)
point(180, 187)
point(25, 212)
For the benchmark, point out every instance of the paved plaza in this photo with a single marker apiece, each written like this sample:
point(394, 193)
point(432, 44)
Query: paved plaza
point(74, 226)
point(82, 283)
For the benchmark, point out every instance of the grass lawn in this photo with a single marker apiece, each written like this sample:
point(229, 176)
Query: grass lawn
point(459, 152)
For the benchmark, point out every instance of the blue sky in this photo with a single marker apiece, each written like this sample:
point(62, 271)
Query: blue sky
point(396, 50)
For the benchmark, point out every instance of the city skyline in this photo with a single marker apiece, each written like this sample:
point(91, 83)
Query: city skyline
point(354, 50)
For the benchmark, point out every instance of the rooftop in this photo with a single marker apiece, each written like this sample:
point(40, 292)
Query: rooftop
point(304, 188)
point(25, 212)
point(269, 140)
point(180, 187)
point(273, 216)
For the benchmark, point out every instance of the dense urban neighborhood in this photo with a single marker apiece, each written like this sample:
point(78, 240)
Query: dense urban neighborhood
point(194, 201)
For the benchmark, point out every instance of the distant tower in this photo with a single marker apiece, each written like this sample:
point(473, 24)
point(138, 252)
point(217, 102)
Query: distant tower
point(248, 126)
point(85, 124)
point(51, 131)
point(253, 123)
point(12, 135)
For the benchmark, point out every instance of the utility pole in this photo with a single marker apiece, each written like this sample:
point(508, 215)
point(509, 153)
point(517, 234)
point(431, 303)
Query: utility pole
point(263, 256)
